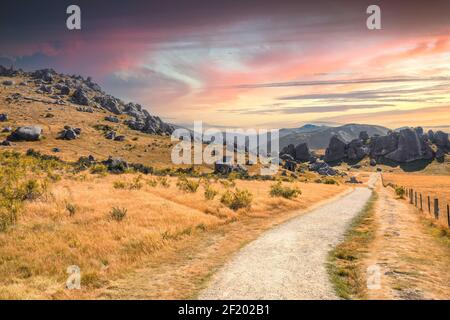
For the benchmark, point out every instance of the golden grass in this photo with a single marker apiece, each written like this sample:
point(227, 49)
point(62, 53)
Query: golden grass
point(435, 186)
point(72, 226)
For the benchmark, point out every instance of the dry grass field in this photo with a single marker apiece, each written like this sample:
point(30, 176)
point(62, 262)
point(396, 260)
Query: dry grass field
point(109, 225)
point(435, 186)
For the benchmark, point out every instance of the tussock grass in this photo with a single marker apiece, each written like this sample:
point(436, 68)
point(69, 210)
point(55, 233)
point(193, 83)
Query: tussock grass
point(187, 185)
point(278, 190)
point(343, 265)
point(237, 199)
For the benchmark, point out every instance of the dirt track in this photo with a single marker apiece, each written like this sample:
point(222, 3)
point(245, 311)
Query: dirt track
point(288, 262)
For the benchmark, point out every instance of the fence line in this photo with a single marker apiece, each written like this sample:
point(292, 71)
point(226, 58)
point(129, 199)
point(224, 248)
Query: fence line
point(416, 199)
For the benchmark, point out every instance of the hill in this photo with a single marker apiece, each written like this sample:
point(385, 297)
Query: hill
point(318, 137)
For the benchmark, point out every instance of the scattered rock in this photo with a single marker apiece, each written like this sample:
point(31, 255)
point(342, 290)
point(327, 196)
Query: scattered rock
point(353, 180)
point(29, 133)
point(322, 168)
point(85, 109)
point(85, 162)
point(116, 165)
point(56, 150)
point(64, 90)
point(119, 138)
point(6, 143)
point(111, 135)
point(80, 97)
point(225, 167)
point(112, 119)
point(290, 165)
point(45, 89)
point(44, 74)
point(3, 117)
point(373, 162)
point(8, 82)
point(7, 129)
point(69, 133)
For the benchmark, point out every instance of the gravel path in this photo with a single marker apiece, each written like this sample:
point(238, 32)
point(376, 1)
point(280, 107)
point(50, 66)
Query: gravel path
point(288, 262)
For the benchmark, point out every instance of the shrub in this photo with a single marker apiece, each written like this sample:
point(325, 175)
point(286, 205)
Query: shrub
point(400, 192)
point(227, 183)
point(136, 184)
point(237, 199)
point(71, 209)
point(329, 181)
point(163, 182)
point(100, 169)
point(187, 185)
point(152, 183)
point(54, 177)
point(278, 190)
point(119, 185)
point(32, 190)
point(210, 193)
point(118, 214)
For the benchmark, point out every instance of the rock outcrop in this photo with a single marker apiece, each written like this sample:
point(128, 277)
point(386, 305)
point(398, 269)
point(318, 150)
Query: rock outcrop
point(89, 97)
point(298, 153)
point(411, 146)
point(404, 146)
point(356, 150)
point(336, 150)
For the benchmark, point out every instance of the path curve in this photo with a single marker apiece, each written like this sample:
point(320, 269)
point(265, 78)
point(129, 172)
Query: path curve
point(289, 261)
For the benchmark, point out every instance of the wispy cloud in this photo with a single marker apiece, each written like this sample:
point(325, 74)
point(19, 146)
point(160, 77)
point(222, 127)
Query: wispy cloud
point(310, 109)
point(339, 82)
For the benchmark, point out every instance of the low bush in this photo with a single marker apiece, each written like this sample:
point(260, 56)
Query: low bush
point(187, 185)
point(119, 185)
point(152, 183)
point(210, 193)
point(237, 199)
point(136, 184)
point(278, 190)
point(118, 214)
point(400, 192)
point(99, 169)
point(163, 182)
point(71, 209)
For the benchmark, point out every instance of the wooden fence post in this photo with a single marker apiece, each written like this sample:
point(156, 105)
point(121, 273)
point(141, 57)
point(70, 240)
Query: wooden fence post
point(448, 216)
point(415, 199)
point(411, 196)
point(436, 208)
point(429, 204)
point(421, 207)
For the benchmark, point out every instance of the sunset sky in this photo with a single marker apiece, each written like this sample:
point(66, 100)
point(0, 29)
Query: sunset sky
point(255, 63)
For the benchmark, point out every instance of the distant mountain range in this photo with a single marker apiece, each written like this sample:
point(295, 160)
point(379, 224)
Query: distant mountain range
point(318, 137)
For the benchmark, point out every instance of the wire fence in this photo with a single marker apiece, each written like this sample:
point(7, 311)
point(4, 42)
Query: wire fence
point(436, 207)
